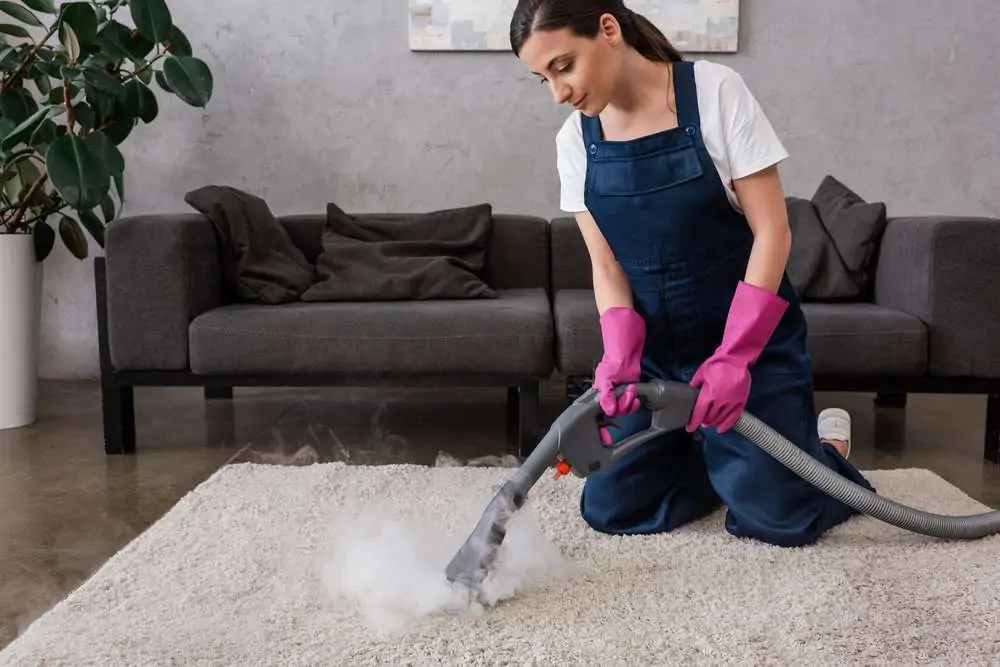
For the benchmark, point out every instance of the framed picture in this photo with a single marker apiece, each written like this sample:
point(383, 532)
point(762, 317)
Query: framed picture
point(693, 26)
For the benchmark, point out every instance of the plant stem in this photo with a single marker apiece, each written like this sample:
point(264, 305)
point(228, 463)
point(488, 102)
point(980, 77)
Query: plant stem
point(55, 208)
point(13, 224)
point(28, 59)
point(142, 69)
point(70, 112)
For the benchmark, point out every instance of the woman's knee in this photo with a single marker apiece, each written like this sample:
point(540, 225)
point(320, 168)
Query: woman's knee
point(655, 488)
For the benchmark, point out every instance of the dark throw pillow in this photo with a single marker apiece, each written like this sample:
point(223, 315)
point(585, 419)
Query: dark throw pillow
point(856, 227)
point(260, 262)
point(835, 242)
point(436, 255)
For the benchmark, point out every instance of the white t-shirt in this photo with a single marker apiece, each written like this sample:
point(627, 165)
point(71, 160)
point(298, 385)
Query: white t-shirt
point(736, 132)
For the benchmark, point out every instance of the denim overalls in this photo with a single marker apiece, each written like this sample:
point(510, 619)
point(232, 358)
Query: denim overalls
point(660, 204)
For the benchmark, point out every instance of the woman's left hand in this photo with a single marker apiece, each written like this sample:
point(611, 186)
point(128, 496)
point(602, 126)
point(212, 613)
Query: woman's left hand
point(724, 378)
point(724, 388)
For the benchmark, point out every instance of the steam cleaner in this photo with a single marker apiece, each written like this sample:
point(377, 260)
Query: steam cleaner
point(573, 445)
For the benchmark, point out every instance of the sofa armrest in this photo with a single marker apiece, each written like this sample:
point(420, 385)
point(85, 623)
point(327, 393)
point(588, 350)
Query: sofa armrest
point(162, 272)
point(946, 271)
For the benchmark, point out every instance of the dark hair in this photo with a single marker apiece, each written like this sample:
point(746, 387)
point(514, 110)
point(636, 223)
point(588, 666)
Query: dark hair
point(582, 18)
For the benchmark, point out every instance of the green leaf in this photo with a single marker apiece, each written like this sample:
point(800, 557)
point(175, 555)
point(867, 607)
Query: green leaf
point(119, 180)
point(28, 126)
point(44, 238)
point(120, 42)
point(93, 225)
point(103, 105)
point(17, 104)
point(140, 101)
point(44, 135)
point(6, 127)
point(9, 59)
point(108, 209)
point(14, 30)
point(99, 60)
point(162, 82)
point(120, 128)
point(82, 18)
point(178, 44)
point(76, 172)
point(11, 167)
point(152, 19)
point(190, 78)
point(104, 81)
point(20, 13)
point(13, 185)
point(84, 115)
point(107, 151)
point(44, 6)
point(28, 170)
point(69, 40)
point(44, 83)
point(72, 236)
point(52, 69)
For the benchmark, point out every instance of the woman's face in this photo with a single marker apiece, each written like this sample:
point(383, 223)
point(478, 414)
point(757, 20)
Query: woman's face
point(579, 71)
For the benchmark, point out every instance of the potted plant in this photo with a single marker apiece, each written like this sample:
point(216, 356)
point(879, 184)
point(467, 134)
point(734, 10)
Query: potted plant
point(75, 81)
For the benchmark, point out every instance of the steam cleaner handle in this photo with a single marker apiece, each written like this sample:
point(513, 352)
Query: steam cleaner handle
point(657, 394)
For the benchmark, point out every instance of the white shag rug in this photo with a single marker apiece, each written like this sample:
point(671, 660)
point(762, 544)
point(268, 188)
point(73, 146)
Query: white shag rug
point(343, 565)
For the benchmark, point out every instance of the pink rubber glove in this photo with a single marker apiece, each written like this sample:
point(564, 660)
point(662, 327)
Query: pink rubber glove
point(724, 378)
point(624, 334)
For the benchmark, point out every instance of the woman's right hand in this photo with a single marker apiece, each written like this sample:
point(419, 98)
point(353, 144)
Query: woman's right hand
point(624, 333)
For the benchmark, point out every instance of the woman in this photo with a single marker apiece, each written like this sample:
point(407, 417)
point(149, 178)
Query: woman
point(670, 168)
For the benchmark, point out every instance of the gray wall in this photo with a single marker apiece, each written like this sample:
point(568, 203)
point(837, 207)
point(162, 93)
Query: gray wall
point(905, 110)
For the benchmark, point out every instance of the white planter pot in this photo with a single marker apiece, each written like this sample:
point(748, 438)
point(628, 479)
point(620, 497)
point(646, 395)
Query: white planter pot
point(20, 318)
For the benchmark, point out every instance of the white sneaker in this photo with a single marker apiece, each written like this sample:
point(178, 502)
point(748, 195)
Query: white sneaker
point(835, 424)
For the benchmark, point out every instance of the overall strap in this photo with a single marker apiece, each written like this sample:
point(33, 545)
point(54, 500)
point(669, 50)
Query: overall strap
point(686, 94)
point(592, 132)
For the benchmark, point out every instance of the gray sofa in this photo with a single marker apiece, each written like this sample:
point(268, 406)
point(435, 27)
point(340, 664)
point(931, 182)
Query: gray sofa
point(164, 319)
point(933, 325)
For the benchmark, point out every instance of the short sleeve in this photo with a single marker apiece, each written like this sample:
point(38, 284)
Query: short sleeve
point(751, 142)
point(571, 162)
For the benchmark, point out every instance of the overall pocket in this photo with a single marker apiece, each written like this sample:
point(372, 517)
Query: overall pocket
point(629, 176)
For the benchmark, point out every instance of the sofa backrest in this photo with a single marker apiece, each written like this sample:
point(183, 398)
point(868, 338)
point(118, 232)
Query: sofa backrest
point(518, 255)
point(570, 260)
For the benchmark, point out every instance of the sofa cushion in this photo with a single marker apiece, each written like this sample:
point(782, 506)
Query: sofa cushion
point(437, 255)
point(835, 241)
point(517, 252)
point(260, 263)
point(509, 335)
point(850, 339)
point(577, 330)
point(865, 340)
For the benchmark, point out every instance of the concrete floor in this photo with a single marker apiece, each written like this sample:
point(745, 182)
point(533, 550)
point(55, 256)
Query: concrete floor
point(67, 507)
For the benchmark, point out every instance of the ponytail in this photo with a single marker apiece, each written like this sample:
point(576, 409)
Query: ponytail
point(647, 39)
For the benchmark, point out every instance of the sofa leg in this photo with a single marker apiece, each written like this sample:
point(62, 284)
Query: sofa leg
point(890, 400)
point(991, 446)
point(528, 417)
point(117, 400)
point(218, 393)
point(513, 408)
point(118, 408)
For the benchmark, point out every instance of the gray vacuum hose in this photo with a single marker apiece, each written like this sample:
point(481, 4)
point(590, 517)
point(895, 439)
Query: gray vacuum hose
point(573, 438)
point(853, 495)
